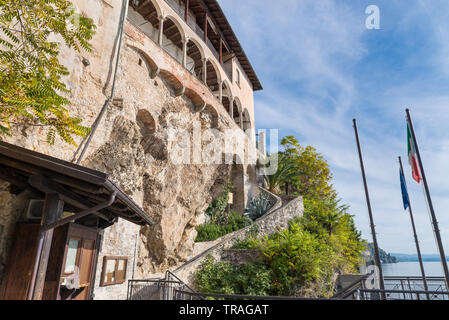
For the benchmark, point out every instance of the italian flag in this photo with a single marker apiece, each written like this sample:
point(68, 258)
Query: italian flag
point(412, 158)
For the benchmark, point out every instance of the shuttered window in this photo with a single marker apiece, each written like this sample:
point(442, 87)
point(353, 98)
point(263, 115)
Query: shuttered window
point(114, 270)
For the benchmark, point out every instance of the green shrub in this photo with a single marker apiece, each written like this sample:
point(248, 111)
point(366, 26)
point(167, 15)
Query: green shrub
point(221, 277)
point(212, 231)
point(247, 244)
point(297, 258)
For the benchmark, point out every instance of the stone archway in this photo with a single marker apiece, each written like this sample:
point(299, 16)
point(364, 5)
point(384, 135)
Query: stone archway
point(195, 59)
point(172, 39)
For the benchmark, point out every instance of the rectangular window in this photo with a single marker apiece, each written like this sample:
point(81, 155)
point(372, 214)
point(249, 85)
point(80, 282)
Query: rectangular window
point(114, 270)
point(72, 256)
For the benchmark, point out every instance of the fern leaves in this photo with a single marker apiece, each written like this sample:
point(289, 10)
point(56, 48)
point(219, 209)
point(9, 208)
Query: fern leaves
point(31, 87)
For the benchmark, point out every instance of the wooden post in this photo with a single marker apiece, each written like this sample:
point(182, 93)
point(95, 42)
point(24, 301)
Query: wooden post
point(205, 27)
point(51, 213)
point(221, 51)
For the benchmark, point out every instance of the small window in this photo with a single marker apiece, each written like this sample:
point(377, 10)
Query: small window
point(72, 256)
point(237, 77)
point(114, 270)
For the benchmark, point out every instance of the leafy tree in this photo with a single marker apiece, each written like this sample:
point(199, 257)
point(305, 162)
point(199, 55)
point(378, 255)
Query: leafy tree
point(315, 176)
point(284, 173)
point(31, 89)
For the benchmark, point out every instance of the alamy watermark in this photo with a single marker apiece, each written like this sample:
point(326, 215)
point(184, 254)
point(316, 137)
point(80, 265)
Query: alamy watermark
point(372, 22)
point(206, 146)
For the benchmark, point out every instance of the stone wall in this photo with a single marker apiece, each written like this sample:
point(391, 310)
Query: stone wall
point(277, 219)
point(119, 240)
point(132, 143)
point(240, 257)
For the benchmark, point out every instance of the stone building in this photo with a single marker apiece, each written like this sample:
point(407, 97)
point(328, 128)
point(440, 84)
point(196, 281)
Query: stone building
point(179, 66)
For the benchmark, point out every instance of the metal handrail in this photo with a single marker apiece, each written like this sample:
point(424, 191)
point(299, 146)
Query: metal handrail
point(405, 286)
point(239, 297)
point(351, 289)
point(402, 291)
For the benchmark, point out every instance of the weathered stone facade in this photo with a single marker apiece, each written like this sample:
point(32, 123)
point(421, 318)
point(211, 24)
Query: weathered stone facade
point(133, 145)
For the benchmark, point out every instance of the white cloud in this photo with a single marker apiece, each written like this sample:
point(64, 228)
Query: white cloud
point(310, 56)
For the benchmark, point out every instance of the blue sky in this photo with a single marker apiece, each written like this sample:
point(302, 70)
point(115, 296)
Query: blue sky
point(321, 67)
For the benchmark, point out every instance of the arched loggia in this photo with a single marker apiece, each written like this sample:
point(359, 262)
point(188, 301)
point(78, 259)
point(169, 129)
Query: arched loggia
point(145, 15)
point(194, 59)
point(237, 112)
point(172, 39)
point(212, 78)
point(226, 97)
point(246, 121)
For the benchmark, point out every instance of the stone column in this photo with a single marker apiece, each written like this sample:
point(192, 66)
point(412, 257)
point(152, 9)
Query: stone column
point(184, 52)
point(241, 120)
point(205, 71)
point(220, 92)
point(231, 107)
point(161, 30)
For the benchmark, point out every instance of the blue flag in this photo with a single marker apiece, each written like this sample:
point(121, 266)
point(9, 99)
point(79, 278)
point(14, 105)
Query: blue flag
point(405, 198)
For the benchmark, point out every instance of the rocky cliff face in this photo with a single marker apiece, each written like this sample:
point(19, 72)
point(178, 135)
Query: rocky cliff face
point(133, 145)
point(137, 156)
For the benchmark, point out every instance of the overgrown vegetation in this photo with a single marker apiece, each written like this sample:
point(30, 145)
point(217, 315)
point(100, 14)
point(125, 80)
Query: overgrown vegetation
point(32, 92)
point(304, 259)
point(222, 278)
point(213, 230)
point(221, 222)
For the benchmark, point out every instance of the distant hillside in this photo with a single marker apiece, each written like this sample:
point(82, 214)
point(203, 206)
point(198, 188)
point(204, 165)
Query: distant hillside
point(414, 258)
point(384, 257)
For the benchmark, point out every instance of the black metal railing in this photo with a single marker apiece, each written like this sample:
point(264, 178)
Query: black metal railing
point(187, 295)
point(350, 292)
point(156, 289)
point(398, 288)
point(375, 294)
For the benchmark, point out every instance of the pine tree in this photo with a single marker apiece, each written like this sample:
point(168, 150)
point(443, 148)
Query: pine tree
point(31, 89)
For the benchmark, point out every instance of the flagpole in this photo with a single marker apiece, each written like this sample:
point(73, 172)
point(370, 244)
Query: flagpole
point(421, 265)
point(429, 201)
point(370, 213)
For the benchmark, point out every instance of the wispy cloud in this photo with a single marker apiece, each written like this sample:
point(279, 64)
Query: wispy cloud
point(321, 67)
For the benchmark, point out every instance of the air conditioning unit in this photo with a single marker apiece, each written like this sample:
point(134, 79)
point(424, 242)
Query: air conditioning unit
point(34, 210)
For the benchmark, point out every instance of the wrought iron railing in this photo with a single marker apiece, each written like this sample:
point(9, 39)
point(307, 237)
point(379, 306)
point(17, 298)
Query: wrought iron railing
point(157, 289)
point(398, 288)
point(187, 295)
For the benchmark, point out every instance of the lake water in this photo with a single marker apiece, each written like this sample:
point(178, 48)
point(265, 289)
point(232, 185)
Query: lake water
point(431, 268)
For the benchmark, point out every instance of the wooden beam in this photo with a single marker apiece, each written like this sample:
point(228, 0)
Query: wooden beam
point(221, 51)
point(51, 213)
point(143, 4)
point(205, 28)
point(187, 11)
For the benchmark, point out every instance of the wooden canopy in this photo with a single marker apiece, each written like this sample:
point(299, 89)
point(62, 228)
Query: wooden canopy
point(82, 189)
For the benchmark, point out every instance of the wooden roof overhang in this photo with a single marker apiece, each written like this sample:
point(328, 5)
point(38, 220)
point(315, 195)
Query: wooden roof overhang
point(215, 15)
point(88, 191)
point(214, 10)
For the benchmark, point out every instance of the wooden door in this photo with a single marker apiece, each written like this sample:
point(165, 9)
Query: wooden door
point(17, 278)
point(80, 253)
point(87, 256)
